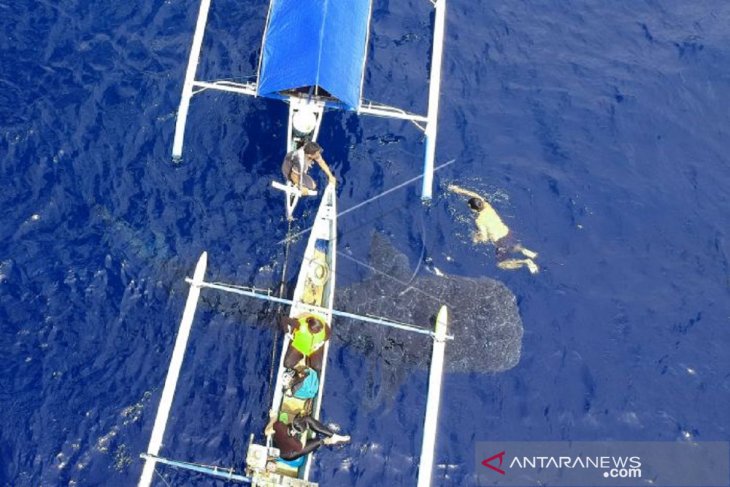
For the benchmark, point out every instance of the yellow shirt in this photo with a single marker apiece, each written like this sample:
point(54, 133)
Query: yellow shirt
point(490, 226)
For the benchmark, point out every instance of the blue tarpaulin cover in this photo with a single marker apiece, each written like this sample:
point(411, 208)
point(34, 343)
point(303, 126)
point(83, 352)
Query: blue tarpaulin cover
point(316, 42)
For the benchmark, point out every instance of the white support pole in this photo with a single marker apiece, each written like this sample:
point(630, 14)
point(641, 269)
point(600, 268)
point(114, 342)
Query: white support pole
point(228, 86)
point(187, 91)
point(221, 473)
point(390, 112)
point(433, 98)
point(168, 392)
point(310, 308)
point(434, 399)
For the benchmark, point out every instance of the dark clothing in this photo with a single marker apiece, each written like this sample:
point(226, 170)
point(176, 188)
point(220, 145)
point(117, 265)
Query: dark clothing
point(294, 161)
point(293, 356)
point(290, 447)
point(504, 247)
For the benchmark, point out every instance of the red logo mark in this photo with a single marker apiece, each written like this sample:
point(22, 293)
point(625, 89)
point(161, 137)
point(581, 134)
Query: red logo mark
point(487, 463)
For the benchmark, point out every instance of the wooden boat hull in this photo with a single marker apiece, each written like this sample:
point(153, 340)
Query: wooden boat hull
point(315, 288)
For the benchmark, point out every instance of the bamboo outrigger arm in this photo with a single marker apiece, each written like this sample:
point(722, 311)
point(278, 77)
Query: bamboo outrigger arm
point(266, 295)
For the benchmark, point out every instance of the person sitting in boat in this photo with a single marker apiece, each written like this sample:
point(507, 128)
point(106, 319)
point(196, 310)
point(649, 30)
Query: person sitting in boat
point(298, 162)
point(301, 383)
point(491, 229)
point(288, 437)
point(308, 334)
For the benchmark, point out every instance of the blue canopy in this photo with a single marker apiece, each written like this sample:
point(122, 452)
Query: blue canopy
point(316, 42)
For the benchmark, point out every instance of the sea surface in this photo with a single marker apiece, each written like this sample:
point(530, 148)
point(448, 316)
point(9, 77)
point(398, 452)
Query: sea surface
point(599, 130)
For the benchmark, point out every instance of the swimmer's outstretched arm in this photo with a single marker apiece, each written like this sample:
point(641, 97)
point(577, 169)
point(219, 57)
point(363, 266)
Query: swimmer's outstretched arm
point(459, 190)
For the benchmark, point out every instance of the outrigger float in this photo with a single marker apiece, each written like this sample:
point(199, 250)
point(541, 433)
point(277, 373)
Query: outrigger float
point(313, 294)
point(313, 57)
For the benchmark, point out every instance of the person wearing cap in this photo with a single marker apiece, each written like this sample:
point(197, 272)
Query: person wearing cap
point(298, 162)
point(308, 334)
point(288, 437)
point(491, 229)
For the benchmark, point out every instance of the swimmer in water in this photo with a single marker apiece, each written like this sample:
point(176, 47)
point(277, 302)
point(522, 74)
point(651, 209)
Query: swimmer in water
point(491, 229)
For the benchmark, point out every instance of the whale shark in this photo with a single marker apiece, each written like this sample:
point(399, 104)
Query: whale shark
point(484, 318)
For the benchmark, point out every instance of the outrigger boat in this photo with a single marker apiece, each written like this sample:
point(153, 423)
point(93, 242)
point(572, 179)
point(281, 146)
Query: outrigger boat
point(314, 293)
point(313, 57)
point(328, 75)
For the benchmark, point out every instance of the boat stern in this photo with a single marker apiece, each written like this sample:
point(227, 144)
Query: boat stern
point(260, 463)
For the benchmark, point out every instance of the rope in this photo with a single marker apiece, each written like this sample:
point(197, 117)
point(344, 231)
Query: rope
point(282, 290)
point(395, 279)
point(282, 283)
point(369, 200)
point(163, 478)
point(420, 259)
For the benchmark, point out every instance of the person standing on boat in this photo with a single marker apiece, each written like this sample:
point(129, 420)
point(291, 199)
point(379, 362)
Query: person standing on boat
point(491, 229)
point(288, 437)
point(308, 334)
point(298, 162)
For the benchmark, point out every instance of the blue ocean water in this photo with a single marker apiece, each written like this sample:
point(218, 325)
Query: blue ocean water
point(599, 129)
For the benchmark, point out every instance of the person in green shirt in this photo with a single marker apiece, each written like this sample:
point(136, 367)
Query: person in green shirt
point(308, 334)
